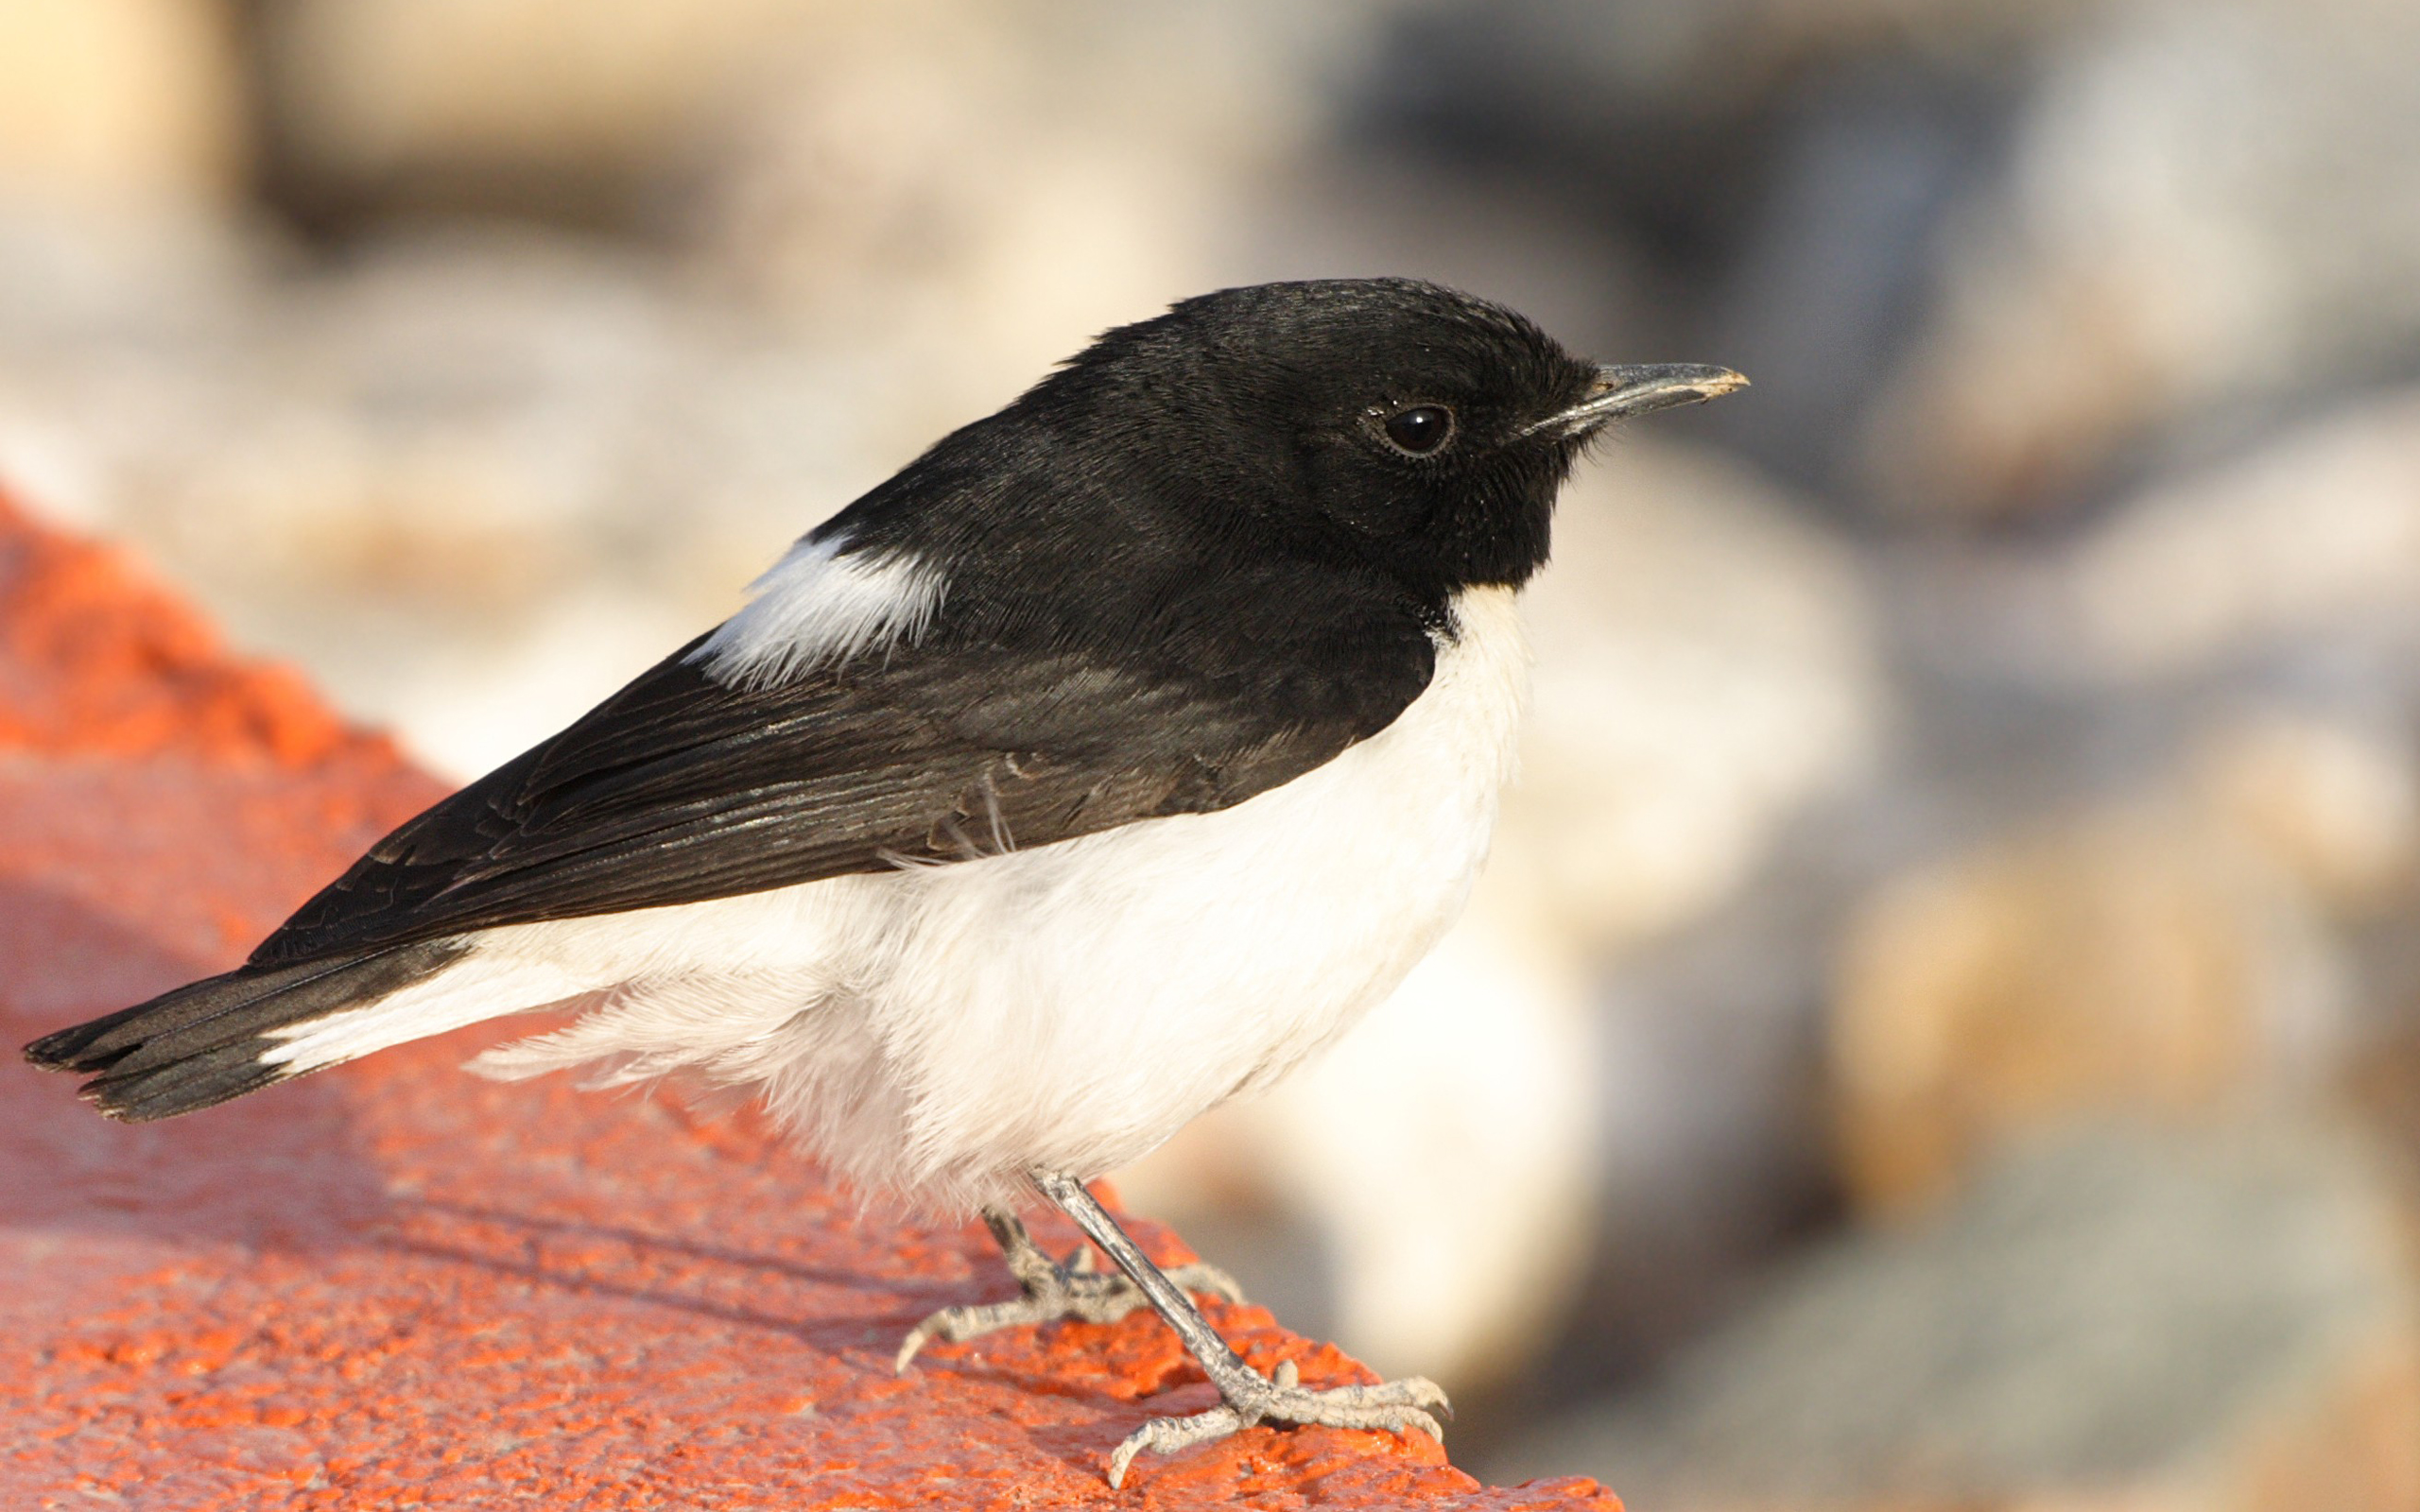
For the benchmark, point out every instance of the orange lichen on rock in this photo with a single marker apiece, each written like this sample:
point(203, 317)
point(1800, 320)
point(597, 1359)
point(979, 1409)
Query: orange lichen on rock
point(96, 656)
point(395, 1285)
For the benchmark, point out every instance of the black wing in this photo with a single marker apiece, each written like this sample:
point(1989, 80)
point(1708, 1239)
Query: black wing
point(680, 788)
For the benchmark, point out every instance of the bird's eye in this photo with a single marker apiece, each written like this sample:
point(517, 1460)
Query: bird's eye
point(1419, 430)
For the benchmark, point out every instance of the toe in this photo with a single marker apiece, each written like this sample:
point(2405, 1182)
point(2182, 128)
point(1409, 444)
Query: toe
point(1165, 1435)
point(917, 1338)
point(1422, 1392)
point(1207, 1280)
point(958, 1324)
point(1413, 1418)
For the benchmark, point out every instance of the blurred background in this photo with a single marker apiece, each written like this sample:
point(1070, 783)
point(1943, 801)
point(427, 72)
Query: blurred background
point(1943, 1025)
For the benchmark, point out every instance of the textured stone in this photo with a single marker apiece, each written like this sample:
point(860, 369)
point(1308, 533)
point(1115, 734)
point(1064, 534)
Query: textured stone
point(396, 1285)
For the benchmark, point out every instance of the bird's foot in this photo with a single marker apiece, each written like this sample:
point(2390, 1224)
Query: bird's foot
point(1393, 1406)
point(1070, 1288)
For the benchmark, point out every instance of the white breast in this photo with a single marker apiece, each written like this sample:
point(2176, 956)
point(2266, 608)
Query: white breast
point(933, 1032)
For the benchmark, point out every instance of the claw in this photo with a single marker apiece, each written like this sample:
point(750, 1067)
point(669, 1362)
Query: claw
point(958, 1324)
point(1168, 1435)
point(1393, 1406)
point(917, 1338)
point(1075, 1290)
point(1210, 1278)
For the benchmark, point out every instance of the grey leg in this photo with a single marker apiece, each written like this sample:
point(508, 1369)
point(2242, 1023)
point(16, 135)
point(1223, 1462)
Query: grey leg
point(1051, 1289)
point(1249, 1397)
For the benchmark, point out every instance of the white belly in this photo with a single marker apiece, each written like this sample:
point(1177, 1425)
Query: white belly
point(933, 1032)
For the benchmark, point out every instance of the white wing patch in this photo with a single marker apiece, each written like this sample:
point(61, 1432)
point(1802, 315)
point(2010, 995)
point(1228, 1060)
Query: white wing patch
point(816, 607)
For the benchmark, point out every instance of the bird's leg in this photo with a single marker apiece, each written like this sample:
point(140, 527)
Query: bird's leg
point(1249, 1397)
point(1052, 1289)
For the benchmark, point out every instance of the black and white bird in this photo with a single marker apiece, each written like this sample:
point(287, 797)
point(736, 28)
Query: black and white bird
point(1103, 763)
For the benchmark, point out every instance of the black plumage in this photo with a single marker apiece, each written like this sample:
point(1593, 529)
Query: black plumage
point(201, 1044)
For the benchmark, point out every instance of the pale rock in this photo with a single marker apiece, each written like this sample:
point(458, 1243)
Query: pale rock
point(428, 467)
point(2138, 957)
point(2315, 533)
point(2213, 1321)
point(119, 105)
point(1706, 666)
point(984, 186)
point(2203, 204)
point(988, 187)
point(2331, 802)
point(598, 93)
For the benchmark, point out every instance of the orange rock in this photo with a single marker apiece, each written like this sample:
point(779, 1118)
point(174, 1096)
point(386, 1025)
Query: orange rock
point(397, 1285)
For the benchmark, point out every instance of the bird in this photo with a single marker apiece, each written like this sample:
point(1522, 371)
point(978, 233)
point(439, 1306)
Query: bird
point(1099, 766)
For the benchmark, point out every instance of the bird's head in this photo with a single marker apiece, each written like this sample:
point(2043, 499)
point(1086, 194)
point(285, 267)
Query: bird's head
point(1381, 420)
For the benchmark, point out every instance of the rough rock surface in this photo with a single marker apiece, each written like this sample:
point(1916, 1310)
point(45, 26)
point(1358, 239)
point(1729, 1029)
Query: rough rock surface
point(396, 1285)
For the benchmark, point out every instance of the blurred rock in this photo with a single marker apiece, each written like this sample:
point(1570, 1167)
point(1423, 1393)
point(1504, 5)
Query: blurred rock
point(568, 105)
point(2333, 805)
point(1705, 666)
point(987, 186)
point(1983, 258)
point(2202, 205)
point(121, 103)
point(1775, 173)
point(2315, 534)
point(2116, 1320)
point(980, 185)
point(472, 480)
point(2135, 958)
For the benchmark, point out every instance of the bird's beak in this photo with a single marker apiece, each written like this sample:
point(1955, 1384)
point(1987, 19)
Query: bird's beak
point(1620, 392)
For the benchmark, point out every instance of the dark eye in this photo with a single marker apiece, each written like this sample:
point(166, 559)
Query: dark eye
point(1419, 430)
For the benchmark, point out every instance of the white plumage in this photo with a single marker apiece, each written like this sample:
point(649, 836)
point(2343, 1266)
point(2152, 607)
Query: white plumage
point(936, 1031)
point(816, 606)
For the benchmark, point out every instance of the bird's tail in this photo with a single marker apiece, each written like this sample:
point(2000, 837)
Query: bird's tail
point(214, 1040)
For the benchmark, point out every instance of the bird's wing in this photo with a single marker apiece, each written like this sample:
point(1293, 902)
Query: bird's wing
point(680, 788)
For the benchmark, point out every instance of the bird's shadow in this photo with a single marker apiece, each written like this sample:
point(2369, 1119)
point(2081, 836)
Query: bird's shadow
point(532, 1229)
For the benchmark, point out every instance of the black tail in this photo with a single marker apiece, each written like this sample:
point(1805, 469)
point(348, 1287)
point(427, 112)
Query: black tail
point(203, 1043)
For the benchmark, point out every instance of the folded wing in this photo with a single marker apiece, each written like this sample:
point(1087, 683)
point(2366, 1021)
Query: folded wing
point(680, 788)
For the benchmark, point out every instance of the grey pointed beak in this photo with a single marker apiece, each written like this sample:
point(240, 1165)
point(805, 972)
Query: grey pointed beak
point(1620, 392)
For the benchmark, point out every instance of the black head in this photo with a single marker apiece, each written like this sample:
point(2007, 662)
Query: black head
point(1376, 426)
point(1385, 419)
